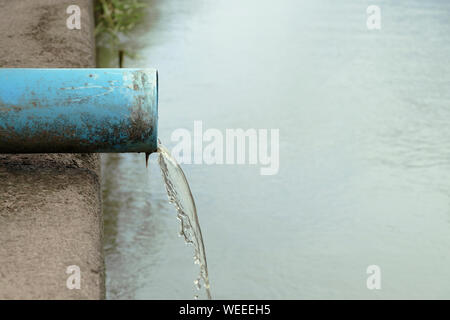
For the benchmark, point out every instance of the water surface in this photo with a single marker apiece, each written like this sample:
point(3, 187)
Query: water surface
point(364, 178)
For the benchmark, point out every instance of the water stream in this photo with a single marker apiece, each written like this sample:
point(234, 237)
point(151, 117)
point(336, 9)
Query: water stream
point(180, 195)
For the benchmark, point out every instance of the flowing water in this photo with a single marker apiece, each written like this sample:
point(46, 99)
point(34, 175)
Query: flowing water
point(364, 179)
point(181, 197)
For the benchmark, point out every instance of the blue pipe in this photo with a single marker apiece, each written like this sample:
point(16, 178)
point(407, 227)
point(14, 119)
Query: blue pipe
point(78, 110)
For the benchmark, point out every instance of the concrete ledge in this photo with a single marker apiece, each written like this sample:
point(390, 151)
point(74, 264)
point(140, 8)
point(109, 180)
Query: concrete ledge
point(50, 204)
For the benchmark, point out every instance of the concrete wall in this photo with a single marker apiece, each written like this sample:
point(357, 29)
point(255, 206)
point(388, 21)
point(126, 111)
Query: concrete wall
point(50, 204)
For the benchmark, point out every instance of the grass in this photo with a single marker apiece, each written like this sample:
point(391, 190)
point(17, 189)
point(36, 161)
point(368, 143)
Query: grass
point(115, 18)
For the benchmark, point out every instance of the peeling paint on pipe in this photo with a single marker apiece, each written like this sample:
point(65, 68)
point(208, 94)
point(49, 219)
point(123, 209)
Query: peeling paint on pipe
point(78, 110)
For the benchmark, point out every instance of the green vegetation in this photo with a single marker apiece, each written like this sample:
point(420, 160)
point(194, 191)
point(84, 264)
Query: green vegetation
point(115, 18)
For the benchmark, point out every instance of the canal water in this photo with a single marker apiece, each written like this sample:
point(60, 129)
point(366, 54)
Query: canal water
point(364, 177)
